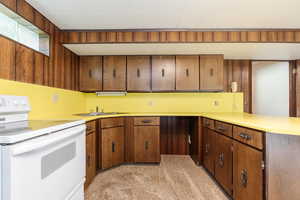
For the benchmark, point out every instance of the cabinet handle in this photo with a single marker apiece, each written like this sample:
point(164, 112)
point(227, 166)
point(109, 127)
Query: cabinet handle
point(90, 73)
point(221, 160)
point(114, 73)
point(187, 72)
point(244, 178)
point(138, 73)
point(211, 72)
point(206, 124)
point(146, 145)
point(113, 147)
point(146, 121)
point(222, 129)
point(163, 72)
point(206, 148)
point(88, 160)
point(245, 136)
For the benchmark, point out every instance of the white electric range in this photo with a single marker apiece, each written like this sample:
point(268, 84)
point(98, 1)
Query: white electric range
point(39, 160)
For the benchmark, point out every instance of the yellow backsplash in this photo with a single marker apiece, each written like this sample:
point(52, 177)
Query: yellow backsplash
point(46, 102)
point(168, 102)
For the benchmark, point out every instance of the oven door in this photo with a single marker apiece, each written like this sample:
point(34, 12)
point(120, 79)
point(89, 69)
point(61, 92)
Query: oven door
point(50, 167)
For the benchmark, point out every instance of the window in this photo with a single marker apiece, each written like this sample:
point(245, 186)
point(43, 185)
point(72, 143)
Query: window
point(16, 28)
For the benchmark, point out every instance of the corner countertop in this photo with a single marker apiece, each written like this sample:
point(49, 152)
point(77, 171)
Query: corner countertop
point(278, 125)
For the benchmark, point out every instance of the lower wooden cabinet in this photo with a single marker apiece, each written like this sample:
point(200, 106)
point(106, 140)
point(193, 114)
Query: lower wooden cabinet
point(146, 144)
point(112, 147)
point(209, 137)
point(247, 173)
point(90, 157)
point(223, 162)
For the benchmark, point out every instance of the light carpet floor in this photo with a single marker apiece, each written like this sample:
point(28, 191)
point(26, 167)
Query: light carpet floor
point(176, 178)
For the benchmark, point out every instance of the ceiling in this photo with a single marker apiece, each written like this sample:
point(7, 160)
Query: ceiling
point(255, 51)
point(171, 14)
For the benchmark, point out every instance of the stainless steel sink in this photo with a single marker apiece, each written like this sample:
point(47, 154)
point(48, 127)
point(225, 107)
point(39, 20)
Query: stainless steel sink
point(97, 114)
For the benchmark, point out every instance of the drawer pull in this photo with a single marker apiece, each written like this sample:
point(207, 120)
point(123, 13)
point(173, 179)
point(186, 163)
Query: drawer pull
point(221, 160)
point(146, 145)
point(245, 136)
point(113, 147)
point(222, 129)
point(244, 178)
point(146, 121)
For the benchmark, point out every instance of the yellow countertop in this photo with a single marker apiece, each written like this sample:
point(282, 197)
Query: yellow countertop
point(279, 125)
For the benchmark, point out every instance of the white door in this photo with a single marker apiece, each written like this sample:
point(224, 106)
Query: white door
point(270, 88)
point(50, 167)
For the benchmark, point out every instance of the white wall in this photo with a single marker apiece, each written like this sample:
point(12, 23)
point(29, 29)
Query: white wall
point(270, 88)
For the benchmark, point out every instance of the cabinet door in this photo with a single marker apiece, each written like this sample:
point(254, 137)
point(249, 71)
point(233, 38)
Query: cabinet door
point(187, 73)
point(247, 173)
point(106, 148)
point(24, 64)
point(38, 68)
point(163, 73)
point(209, 150)
point(90, 158)
point(90, 73)
point(211, 72)
point(223, 165)
point(7, 59)
point(138, 73)
point(114, 73)
point(146, 143)
point(117, 146)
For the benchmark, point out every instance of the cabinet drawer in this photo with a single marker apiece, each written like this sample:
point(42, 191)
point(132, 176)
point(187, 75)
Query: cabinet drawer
point(223, 128)
point(112, 122)
point(248, 136)
point(90, 126)
point(208, 123)
point(146, 121)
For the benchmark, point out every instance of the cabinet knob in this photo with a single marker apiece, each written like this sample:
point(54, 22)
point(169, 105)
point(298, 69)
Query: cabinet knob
point(244, 178)
point(222, 129)
point(113, 147)
point(138, 74)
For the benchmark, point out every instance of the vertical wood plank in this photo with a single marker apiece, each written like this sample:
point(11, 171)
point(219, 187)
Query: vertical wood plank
point(7, 59)
point(220, 36)
point(234, 36)
point(191, 36)
point(199, 36)
point(163, 36)
point(24, 64)
point(140, 36)
point(153, 36)
point(38, 68)
point(298, 88)
point(207, 36)
point(244, 36)
point(111, 37)
point(297, 36)
point(253, 36)
point(173, 36)
point(11, 4)
point(92, 37)
point(272, 36)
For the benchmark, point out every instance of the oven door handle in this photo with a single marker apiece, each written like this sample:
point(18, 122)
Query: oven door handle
point(45, 141)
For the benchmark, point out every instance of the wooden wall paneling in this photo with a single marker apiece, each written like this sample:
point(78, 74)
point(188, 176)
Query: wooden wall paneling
point(140, 36)
point(111, 37)
point(182, 36)
point(163, 36)
point(46, 71)
point(220, 36)
point(227, 80)
point(38, 68)
point(7, 59)
point(25, 10)
point(253, 36)
point(39, 20)
point(208, 37)
point(124, 37)
point(24, 64)
point(292, 88)
point(199, 36)
point(289, 36)
point(92, 37)
point(297, 36)
point(76, 37)
point(67, 69)
point(196, 140)
point(243, 36)
point(237, 74)
point(47, 26)
point(153, 36)
point(173, 36)
point(52, 54)
point(246, 87)
point(191, 36)
point(298, 88)
point(234, 36)
point(11, 4)
point(264, 36)
point(102, 36)
point(272, 36)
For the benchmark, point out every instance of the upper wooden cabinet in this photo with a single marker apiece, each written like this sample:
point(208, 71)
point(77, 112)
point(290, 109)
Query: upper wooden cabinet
point(24, 64)
point(7, 59)
point(163, 73)
point(114, 73)
point(211, 73)
point(138, 73)
point(187, 73)
point(12, 4)
point(90, 68)
point(25, 10)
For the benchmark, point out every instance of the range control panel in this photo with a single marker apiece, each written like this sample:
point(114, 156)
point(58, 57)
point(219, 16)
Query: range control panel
point(13, 108)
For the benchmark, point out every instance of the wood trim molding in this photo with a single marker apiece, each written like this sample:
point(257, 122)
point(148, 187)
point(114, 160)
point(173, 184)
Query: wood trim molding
point(183, 36)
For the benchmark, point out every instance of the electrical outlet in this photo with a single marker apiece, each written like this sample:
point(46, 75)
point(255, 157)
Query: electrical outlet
point(55, 98)
point(216, 103)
